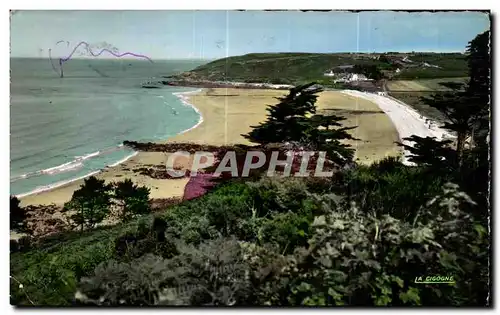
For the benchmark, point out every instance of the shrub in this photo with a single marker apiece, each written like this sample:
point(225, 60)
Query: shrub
point(213, 274)
point(90, 204)
point(18, 215)
point(389, 187)
point(358, 258)
point(134, 200)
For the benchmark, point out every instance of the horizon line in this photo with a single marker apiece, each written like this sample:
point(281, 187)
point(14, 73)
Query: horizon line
point(284, 52)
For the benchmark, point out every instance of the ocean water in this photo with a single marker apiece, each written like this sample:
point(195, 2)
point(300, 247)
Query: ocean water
point(65, 128)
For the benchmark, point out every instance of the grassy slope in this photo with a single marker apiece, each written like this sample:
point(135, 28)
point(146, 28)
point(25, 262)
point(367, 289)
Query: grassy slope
point(425, 85)
point(452, 65)
point(298, 68)
point(411, 92)
point(49, 273)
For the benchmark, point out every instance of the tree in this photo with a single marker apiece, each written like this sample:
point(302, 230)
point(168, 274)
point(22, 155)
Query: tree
point(478, 89)
point(91, 203)
point(325, 138)
point(133, 199)
point(287, 120)
point(430, 152)
point(294, 119)
point(371, 71)
point(18, 215)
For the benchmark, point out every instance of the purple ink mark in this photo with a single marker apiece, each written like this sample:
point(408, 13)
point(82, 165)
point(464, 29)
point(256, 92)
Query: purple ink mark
point(63, 60)
point(104, 50)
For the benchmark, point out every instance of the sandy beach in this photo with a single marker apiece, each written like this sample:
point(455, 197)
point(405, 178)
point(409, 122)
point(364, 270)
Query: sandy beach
point(407, 120)
point(229, 113)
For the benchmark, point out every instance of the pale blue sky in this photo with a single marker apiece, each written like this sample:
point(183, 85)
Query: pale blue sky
point(215, 34)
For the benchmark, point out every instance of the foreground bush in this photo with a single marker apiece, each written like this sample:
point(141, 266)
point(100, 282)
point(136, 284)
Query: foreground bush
point(213, 274)
point(351, 257)
point(389, 187)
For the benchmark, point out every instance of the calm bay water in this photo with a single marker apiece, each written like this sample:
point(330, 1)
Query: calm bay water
point(66, 128)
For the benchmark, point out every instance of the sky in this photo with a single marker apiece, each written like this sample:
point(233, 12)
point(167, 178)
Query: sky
point(217, 34)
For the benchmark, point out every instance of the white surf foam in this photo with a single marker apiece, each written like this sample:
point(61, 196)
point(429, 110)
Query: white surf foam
point(55, 185)
point(183, 96)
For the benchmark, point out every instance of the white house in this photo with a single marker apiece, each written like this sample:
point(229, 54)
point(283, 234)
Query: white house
point(329, 74)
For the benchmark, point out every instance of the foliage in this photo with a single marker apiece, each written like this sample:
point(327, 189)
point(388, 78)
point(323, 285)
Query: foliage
point(359, 238)
point(277, 231)
point(430, 152)
point(294, 119)
point(90, 203)
point(479, 87)
point(371, 71)
point(358, 258)
point(133, 199)
point(213, 274)
point(18, 215)
point(389, 187)
point(351, 257)
point(467, 110)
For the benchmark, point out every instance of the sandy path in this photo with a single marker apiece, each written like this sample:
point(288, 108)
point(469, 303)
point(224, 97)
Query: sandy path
point(407, 121)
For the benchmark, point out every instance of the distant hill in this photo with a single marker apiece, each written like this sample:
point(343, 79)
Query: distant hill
point(298, 68)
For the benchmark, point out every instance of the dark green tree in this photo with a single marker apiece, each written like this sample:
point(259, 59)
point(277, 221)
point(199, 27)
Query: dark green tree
point(133, 200)
point(18, 215)
point(478, 89)
point(294, 119)
point(90, 204)
point(466, 106)
point(432, 153)
point(287, 120)
point(371, 71)
point(325, 135)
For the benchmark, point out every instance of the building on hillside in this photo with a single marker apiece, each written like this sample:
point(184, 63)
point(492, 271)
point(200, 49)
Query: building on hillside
point(358, 77)
point(405, 59)
point(350, 77)
point(425, 64)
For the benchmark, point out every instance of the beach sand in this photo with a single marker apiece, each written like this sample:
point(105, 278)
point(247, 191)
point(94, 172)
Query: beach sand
point(229, 113)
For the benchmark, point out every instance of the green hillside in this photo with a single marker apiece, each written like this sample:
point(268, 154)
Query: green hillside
point(299, 68)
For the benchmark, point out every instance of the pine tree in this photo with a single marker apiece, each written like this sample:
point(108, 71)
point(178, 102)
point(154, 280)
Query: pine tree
point(478, 89)
point(287, 120)
point(294, 119)
point(91, 203)
point(325, 134)
point(466, 106)
point(133, 199)
point(432, 153)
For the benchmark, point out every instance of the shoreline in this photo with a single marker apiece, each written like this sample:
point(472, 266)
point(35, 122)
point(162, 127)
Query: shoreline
point(406, 119)
point(242, 108)
point(184, 100)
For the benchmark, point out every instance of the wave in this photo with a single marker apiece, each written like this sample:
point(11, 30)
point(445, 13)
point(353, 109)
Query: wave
point(68, 166)
point(184, 99)
point(77, 162)
point(124, 159)
point(87, 156)
point(55, 185)
point(62, 183)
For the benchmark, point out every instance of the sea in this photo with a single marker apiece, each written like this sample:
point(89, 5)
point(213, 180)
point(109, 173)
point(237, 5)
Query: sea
point(63, 129)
